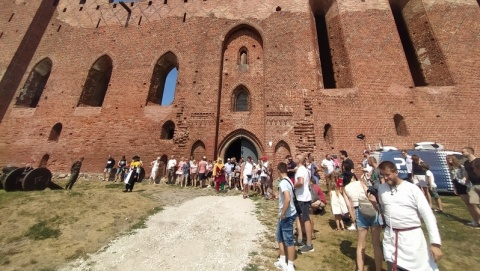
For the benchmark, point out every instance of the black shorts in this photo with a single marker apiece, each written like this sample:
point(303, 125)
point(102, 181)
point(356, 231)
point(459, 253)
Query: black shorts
point(461, 189)
point(305, 207)
point(202, 176)
point(209, 174)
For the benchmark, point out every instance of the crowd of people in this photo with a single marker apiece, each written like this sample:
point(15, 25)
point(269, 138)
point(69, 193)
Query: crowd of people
point(376, 199)
point(369, 197)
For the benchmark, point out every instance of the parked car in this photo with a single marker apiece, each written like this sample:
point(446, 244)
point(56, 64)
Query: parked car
point(436, 160)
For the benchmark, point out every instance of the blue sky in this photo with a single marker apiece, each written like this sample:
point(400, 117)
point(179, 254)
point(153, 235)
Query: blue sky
point(170, 83)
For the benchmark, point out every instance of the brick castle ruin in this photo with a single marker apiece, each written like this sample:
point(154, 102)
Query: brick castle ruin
point(86, 77)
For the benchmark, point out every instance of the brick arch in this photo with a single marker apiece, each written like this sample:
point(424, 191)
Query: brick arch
point(43, 162)
point(198, 150)
point(400, 125)
point(35, 84)
point(282, 149)
point(244, 26)
point(328, 133)
point(243, 56)
point(235, 135)
point(162, 168)
point(168, 130)
point(55, 132)
point(164, 65)
point(241, 99)
point(97, 82)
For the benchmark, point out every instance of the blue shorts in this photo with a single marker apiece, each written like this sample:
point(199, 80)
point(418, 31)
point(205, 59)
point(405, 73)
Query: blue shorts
point(363, 222)
point(285, 230)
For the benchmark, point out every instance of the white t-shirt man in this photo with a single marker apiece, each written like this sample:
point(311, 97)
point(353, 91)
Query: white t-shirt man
point(171, 164)
point(286, 185)
point(329, 166)
point(303, 193)
point(228, 168)
point(247, 171)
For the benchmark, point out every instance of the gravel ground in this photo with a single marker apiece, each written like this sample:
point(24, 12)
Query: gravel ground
point(206, 233)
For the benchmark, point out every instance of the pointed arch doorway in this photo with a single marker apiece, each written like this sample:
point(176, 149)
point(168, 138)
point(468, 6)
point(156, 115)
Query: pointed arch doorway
point(241, 145)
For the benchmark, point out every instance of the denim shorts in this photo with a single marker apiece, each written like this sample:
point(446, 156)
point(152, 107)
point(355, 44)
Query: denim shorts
point(434, 193)
point(363, 222)
point(285, 230)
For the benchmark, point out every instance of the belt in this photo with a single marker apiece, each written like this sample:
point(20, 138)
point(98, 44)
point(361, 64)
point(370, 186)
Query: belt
point(396, 243)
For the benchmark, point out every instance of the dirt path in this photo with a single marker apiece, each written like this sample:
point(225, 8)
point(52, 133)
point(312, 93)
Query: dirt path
point(206, 233)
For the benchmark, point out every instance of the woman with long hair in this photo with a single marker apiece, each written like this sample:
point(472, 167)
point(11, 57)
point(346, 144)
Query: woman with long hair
point(458, 175)
point(354, 193)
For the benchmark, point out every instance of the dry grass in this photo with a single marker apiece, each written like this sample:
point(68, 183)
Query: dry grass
point(41, 230)
point(337, 250)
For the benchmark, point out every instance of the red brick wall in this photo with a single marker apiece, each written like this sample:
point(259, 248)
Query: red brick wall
point(288, 102)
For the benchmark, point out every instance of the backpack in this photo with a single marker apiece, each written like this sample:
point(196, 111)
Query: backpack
point(295, 201)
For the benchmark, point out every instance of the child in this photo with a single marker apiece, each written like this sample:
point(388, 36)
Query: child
point(339, 207)
point(432, 188)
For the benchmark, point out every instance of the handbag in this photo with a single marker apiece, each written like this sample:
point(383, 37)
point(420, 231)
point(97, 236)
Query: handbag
point(295, 201)
point(366, 208)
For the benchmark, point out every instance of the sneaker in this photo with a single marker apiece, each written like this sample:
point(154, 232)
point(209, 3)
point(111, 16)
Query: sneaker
point(297, 244)
point(306, 249)
point(280, 265)
point(290, 268)
point(352, 228)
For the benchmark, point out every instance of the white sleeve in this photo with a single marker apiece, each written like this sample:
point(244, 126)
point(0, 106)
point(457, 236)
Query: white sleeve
point(427, 216)
point(408, 162)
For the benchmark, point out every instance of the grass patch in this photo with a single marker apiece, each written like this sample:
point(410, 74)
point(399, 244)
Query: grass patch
point(251, 267)
point(74, 194)
point(141, 221)
point(41, 231)
point(114, 185)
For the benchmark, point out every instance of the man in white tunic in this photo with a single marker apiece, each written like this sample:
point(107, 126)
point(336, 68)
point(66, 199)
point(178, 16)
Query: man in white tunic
point(404, 244)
